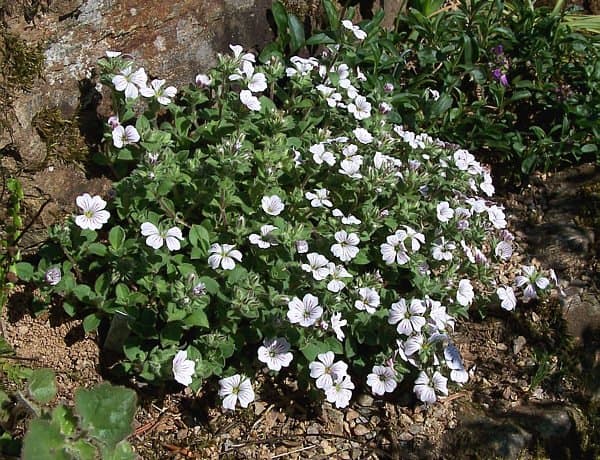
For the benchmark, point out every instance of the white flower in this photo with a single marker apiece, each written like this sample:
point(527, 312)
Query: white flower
point(530, 280)
point(477, 205)
point(317, 265)
point(163, 96)
point(360, 108)
point(237, 54)
point(440, 250)
point(435, 94)
point(347, 220)
point(503, 250)
point(497, 217)
point(350, 150)
point(113, 121)
point(124, 136)
point(463, 159)
point(382, 380)
point(357, 31)
point(409, 319)
point(236, 388)
point(272, 205)
point(301, 246)
point(486, 185)
point(183, 368)
point(337, 272)
point(363, 136)
point(394, 250)
point(345, 249)
point(305, 312)
point(415, 238)
point(426, 387)
point(464, 293)
point(454, 362)
point(336, 324)
point(275, 353)
point(203, 80)
point(507, 296)
point(444, 211)
point(250, 101)
point(340, 392)
point(155, 238)
point(94, 215)
point(319, 198)
point(331, 96)
point(224, 255)
point(321, 155)
point(351, 166)
point(369, 300)
point(265, 239)
point(112, 54)
point(53, 276)
point(130, 81)
point(326, 371)
point(257, 83)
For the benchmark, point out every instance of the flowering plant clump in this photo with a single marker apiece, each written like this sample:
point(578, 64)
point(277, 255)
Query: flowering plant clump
point(268, 218)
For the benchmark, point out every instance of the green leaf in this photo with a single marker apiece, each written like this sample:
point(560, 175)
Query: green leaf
point(442, 105)
point(200, 238)
point(24, 271)
point(106, 412)
point(122, 451)
point(332, 14)
point(63, 418)
point(296, 33)
point(589, 148)
point(42, 385)
point(122, 291)
point(44, 441)
point(83, 292)
point(102, 284)
point(97, 249)
point(197, 318)
point(320, 39)
point(91, 322)
point(116, 237)
point(280, 17)
point(520, 95)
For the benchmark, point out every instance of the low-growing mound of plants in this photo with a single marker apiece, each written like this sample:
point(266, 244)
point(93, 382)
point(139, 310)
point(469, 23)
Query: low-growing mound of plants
point(273, 216)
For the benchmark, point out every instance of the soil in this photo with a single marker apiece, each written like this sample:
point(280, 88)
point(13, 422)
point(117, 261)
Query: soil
point(520, 363)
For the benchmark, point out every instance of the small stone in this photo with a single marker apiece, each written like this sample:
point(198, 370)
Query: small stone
point(182, 433)
point(365, 400)
point(415, 428)
point(518, 344)
point(374, 421)
point(351, 414)
point(501, 347)
point(314, 428)
point(360, 430)
point(405, 436)
point(259, 407)
point(328, 449)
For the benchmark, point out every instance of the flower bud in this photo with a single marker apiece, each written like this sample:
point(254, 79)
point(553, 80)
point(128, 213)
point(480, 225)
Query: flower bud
point(53, 276)
point(388, 87)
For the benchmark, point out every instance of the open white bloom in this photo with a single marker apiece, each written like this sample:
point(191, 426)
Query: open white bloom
point(337, 273)
point(463, 159)
point(477, 205)
point(410, 319)
point(415, 238)
point(124, 136)
point(257, 82)
point(272, 205)
point(442, 250)
point(340, 392)
point(250, 101)
point(507, 297)
point(305, 312)
point(345, 249)
point(275, 353)
point(360, 108)
point(183, 368)
point(464, 293)
point(163, 96)
point(321, 155)
point(317, 265)
point(203, 80)
point(382, 380)
point(368, 301)
point(394, 250)
point(336, 324)
point(326, 371)
point(363, 136)
point(94, 215)
point(113, 121)
point(319, 198)
point(351, 166)
point(440, 319)
point(347, 220)
point(156, 238)
point(454, 362)
point(265, 239)
point(486, 185)
point(302, 246)
point(224, 255)
point(504, 250)
point(237, 54)
point(444, 211)
point(497, 217)
point(113, 54)
point(357, 31)
point(426, 386)
point(302, 66)
point(130, 82)
point(236, 388)
point(530, 280)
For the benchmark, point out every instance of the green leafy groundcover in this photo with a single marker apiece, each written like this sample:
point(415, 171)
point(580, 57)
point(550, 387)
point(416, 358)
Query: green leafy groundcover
point(272, 216)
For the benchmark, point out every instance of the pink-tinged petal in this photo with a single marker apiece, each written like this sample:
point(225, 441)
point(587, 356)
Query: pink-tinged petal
point(149, 229)
point(147, 92)
point(170, 91)
point(175, 233)
point(131, 134)
point(83, 201)
point(173, 243)
point(82, 222)
point(155, 241)
point(214, 261)
point(120, 82)
point(229, 402)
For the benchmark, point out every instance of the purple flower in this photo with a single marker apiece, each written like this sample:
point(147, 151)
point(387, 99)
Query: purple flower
point(503, 80)
point(500, 77)
point(498, 50)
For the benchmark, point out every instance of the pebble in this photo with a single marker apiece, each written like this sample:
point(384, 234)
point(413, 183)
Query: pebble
point(314, 428)
point(405, 436)
point(415, 428)
point(360, 430)
point(365, 400)
point(351, 415)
